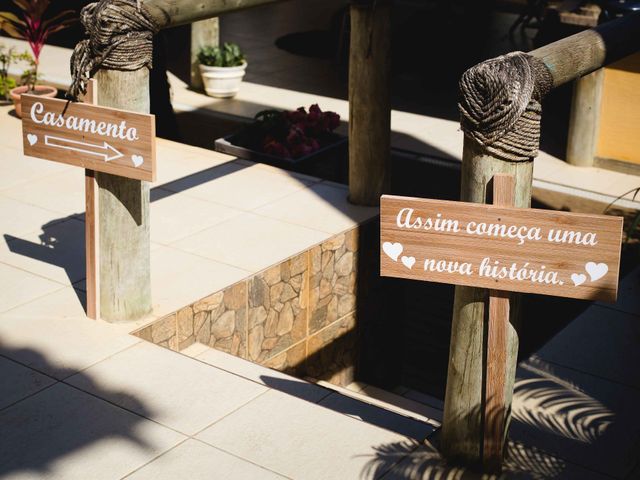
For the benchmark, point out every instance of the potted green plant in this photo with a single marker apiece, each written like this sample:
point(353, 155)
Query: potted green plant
point(222, 69)
point(33, 28)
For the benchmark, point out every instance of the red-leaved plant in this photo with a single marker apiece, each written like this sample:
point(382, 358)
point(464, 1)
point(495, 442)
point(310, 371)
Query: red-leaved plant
point(33, 28)
point(290, 134)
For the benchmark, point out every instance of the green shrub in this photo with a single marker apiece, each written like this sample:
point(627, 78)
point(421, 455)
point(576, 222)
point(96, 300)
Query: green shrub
point(229, 55)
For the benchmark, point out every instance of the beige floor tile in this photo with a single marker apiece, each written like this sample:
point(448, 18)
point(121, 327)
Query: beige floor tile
point(582, 419)
point(195, 349)
point(522, 462)
point(62, 193)
point(266, 376)
point(327, 444)
point(175, 162)
point(179, 278)
point(197, 461)
point(238, 185)
point(321, 207)
point(251, 242)
point(55, 252)
point(10, 133)
point(178, 391)
point(19, 218)
point(17, 169)
point(53, 335)
point(378, 416)
point(18, 287)
point(63, 433)
point(601, 341)
point(628, 294)
point(175, 216)
point(18, 382)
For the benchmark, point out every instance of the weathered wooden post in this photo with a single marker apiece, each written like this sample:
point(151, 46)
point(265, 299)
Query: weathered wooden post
point(369, 101)
point(463, 427)
point(203, 33)
point(125, 272)
point(584, 120)
point(500, 109)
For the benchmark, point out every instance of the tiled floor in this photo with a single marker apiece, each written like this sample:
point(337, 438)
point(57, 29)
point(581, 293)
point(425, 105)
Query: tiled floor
point(207, 231)
point(82, 399)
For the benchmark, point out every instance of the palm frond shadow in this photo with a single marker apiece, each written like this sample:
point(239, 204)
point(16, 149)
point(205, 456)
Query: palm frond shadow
point(426, 463)
point(557, 406)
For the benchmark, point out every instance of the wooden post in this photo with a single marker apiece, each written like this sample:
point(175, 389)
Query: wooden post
point(584, 121)
point(203, 33)
point(462, 429)
point(91, 225)
point(496, 352)
point(369, 102)
point(125, 282)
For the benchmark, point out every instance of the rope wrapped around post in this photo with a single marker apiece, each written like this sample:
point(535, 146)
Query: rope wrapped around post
point(120, 38)
point(500, 105)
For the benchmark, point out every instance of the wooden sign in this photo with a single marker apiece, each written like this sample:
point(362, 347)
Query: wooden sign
point(501, 248)
point(96, 138)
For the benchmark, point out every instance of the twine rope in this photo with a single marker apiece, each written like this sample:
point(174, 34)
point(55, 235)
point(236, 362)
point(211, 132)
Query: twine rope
point(120, 38)
point(500, 105)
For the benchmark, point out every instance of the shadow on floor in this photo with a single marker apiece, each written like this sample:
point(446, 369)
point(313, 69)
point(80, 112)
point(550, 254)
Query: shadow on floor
point(45, 421)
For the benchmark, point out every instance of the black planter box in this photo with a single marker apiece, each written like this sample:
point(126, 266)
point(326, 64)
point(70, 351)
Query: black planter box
point(328, 162)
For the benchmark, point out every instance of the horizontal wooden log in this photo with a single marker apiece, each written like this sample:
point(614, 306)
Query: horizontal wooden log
point(169, 13)
point(585, 52)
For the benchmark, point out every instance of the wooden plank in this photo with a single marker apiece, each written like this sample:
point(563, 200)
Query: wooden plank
point(498, 323)
point(89, 136)
point(522, 250)
point(91, 225)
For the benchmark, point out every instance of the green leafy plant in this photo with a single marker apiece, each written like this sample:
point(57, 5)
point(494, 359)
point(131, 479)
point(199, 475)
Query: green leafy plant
point(33, 28)
point(229, 55)
point(633, 222)
point(7, 57)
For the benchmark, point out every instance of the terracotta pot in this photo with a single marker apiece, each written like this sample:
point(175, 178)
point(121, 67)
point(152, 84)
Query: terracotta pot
point(40, 90)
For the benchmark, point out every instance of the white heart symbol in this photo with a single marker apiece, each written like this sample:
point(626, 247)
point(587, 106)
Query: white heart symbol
point(408, 261)
point(137, 160)
point(392, 249)
point(578, 278)
point(596, 270)
point(32, 139)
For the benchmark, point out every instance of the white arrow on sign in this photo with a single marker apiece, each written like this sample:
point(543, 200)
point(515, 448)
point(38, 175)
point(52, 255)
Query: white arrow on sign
point(108, 152)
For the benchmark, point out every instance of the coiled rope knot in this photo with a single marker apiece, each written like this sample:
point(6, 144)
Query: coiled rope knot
point(500, 105)
point(120, 38)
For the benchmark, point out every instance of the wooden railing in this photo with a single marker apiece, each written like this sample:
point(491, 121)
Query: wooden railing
point(566, 60)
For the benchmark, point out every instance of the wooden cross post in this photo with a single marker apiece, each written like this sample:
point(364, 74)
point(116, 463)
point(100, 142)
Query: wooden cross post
point(498, 329)
point(116, 148)
point(91, 227)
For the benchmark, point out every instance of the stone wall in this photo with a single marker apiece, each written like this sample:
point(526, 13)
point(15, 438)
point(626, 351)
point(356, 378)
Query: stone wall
point(300, 316)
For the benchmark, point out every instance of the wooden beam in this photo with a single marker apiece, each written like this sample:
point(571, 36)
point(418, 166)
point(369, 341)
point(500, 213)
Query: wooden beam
point(203, 34)
point(125, 282)
point(580, 54)
point(369, 103)
point(170, 13)
point(584, 120)
point(462, 428)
